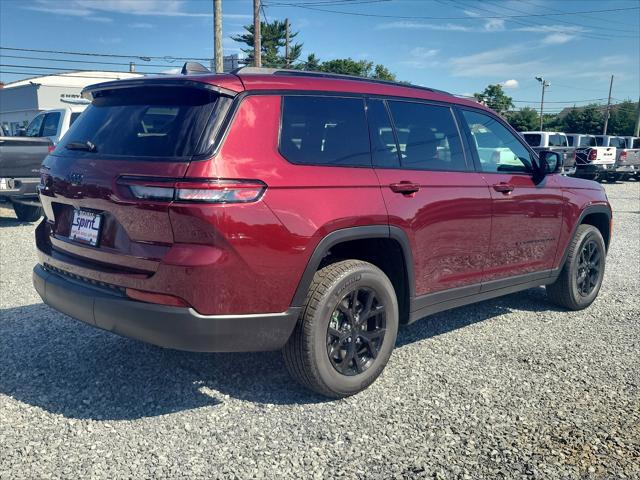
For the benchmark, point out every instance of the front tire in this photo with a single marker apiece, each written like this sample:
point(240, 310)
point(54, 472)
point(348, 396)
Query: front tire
point(27, 213)
point(579, 282)
point(346, 331)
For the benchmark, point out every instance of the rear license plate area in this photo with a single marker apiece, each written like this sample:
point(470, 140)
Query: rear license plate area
point(85, 227)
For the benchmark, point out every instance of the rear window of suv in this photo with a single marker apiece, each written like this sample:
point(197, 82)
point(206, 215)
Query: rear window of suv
point(157, 122)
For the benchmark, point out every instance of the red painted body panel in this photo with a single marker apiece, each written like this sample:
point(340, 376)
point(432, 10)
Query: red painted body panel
point(249, 258)
point(448, 222)
point(526, 225)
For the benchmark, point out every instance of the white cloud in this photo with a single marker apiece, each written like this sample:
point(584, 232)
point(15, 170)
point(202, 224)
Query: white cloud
point(88, 8)
point(421, 57)
point(411, 25)
point(140, 25)
point(512, 83)
point(557, 39)
point(494, 25)
point(172, 71)
point(552, 29)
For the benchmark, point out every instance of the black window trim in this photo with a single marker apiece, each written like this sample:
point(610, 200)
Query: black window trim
point(469, 167)
point(294, 93)
point(474, 153)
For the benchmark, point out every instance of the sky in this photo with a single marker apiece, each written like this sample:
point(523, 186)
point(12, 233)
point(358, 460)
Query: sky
point(460, 46)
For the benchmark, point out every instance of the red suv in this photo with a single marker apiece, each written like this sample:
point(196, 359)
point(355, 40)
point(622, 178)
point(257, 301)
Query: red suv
point(313, 213)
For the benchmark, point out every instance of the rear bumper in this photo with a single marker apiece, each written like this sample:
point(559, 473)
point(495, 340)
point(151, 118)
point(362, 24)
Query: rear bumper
point(16, 189)
point(171, 327)
point(595, 169)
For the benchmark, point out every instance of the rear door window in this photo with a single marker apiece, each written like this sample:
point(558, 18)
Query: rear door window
point(35, 127)
point(156, 122)
point(384, 148)
point(50, 124)
point(533, 139)
point(428, 137)
point(319, 130)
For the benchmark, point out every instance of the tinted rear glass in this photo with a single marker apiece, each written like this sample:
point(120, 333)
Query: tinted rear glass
point(587, 142)
point(157, 122)
point(636, 143)
point(325, 131)
point(556, 140)
point(532, 139)
point(74, 117)
point(617, 142)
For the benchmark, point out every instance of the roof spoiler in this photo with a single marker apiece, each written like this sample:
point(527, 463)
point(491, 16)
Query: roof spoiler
point(193, 67)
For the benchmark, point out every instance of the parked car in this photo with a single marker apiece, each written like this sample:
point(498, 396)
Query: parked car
point(272, 209)
point(53, 124)
point(627, 162)
point(20, 159)
point(555, 142)
point(596, 162)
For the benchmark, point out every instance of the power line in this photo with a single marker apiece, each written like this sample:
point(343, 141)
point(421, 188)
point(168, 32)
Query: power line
point(414, 17)
point(111, 55)
point(66, 70)
point(82, 61)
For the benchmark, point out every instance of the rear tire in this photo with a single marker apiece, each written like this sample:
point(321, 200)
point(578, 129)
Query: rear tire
point(346, 331)
point(27, 213)
point(581, 277)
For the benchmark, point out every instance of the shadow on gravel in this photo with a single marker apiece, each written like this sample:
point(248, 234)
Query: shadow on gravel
point(52, 362)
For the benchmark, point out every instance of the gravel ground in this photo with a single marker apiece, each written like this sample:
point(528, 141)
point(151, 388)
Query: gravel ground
point(508, 388)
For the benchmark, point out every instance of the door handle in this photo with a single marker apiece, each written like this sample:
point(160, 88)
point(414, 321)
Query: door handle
point(405, 187)
point(503, 187)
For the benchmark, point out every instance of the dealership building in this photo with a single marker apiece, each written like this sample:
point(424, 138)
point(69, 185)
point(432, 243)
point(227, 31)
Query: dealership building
point(20, 101)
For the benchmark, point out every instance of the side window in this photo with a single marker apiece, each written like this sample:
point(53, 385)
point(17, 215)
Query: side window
point(636, 143)
point(599, 140)
point(33, 130)
point(570, 140)
point(73, 118)
point(324, 131)
point(384, 148)
point(498, 149)
point(428, 137)
point(50, 125)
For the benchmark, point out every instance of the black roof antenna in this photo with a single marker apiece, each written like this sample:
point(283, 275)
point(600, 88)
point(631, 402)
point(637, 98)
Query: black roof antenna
point(194, 67)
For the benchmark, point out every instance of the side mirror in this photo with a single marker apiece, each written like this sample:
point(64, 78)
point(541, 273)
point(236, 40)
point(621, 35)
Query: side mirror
point(550, 162)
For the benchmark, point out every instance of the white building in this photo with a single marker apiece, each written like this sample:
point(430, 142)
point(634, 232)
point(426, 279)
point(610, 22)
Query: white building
point(20, 101)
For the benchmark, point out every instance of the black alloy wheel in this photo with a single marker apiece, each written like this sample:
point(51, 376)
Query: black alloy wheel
point(588, 271)
point(356, 331)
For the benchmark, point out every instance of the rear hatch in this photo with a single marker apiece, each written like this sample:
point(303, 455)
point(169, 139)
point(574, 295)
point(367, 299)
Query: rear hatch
point(596, 155)
point(93, 186)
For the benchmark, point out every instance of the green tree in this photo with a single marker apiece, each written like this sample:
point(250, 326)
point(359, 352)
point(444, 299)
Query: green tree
point(494, 97)
point(273, 35)
point(592, 119)
point(525, 119)
point(359, 68)
point(622, 120)
point(572, 122)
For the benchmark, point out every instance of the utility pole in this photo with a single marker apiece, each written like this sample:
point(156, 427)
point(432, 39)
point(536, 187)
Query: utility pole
point(636, 132)
point(217, 36)
point(286, 41)
point(257, 48)
point(606, 115)
point(545, 84)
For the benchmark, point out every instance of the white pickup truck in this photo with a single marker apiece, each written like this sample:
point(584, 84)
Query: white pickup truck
point(627, 162)
point(53, 124)
point(596, 162)
point(555, 142)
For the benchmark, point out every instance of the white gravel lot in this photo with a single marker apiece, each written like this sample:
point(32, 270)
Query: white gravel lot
point(508, 388)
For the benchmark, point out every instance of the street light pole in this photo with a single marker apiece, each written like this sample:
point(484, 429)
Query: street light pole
point(257, 40)
point(544, 84)
point(217, 36)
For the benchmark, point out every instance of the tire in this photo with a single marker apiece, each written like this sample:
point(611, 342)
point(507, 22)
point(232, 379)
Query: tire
point(567, 291)
point(27, 213)
point(307, 353)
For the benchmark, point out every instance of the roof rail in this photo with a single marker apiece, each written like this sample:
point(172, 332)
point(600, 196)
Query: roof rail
point(193, 67)
point(337, 76)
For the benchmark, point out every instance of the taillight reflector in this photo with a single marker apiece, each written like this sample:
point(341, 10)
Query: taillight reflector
point(157, 298)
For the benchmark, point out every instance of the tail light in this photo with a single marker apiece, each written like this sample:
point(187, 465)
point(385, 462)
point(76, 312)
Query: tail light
point(157, 298)
point(194, 191)
point(593, 154)
point(51, 148)
point(623, 157)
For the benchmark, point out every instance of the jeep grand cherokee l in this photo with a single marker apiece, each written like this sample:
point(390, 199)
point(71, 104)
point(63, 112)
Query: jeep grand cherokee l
point(265, 210)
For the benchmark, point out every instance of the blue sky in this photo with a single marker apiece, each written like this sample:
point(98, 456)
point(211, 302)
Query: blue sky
point(460, 51)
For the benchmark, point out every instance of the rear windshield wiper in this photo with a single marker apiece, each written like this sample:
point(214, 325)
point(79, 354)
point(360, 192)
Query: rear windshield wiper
point(77, 145)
